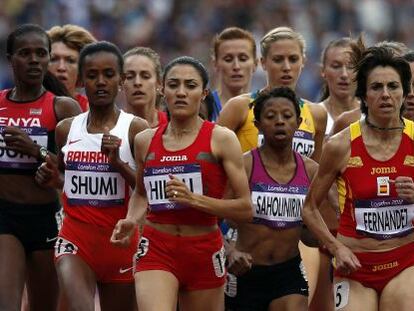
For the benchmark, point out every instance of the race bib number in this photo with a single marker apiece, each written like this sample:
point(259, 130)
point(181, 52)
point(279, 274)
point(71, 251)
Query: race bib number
point(303, 271)
point(59, 218)
point(16, 160)
point(230, 288)
point(260, 140)
point(341, 292)
point(143, 247)
point(219, 262)
point(231, 235)
point(156, 178)
point(278, 206)
point(303, 143)
point(65, 247)
point(142, 250)
point(93, 184)
point(384, 218)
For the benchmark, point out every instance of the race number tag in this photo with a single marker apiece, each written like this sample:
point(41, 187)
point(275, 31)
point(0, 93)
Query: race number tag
point(16, 160)
point(93, 184)
point(278, 206)
point(156, 178)
point(303, 143)
point(230, 288)
point(65, 247)
point(143, 247)
point(260, 140)
point(341, 292)
point(59, 218)
point(384, 218)
point(219, 261)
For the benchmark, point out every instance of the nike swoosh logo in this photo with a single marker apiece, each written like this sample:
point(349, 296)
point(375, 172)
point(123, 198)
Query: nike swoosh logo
point(3, 108)
point(48, 240)
point(122, 271)
point(74, 141)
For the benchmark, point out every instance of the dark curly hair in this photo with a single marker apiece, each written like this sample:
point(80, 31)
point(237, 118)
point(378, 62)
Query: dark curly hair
point(366, 60)
point(285, 92)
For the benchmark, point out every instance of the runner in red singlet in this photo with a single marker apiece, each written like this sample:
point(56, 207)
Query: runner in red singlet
point(373, 164)
point(182, 170)
point(28, 226)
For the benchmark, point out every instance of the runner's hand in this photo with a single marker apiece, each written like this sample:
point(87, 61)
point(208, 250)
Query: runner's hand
point(404, 186)
point(48, 175)
point(18, 140)
point(239, 262)
point(345, 260)
point(110, 147)
point(121, 236)
point(177, 191)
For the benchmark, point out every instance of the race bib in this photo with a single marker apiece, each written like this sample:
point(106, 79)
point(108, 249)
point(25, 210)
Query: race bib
point(219, 262)
point(15, 160)
point(341, 293)
point(65, 247)
point(384, 218)
point(94, 184)
point(156, 178)
point(278, 206)
point(230, 288)
point(260, 140)
point(303, 143)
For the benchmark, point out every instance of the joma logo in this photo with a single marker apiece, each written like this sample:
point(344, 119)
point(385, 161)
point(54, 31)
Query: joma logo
point(174, 158)
point(383, 170)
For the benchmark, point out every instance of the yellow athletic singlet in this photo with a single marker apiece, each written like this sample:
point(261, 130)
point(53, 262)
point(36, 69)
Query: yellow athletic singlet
point(303, 139)
point(248, 133)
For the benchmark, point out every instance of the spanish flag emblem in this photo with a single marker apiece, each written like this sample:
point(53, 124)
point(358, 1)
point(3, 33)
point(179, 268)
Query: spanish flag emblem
point(383, 189)
point(383, 186)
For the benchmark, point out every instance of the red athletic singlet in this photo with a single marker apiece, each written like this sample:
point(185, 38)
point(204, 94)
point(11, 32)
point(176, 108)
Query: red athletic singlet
point(369, 204)
point(37, 118)
point(83, 102)
point(162, 118)
point(195, 165)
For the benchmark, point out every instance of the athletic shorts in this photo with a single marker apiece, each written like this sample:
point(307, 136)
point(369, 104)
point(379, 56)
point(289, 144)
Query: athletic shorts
point(34, 225)
point(198, 262)
point(111, 264)
point(257, 288)
point(378, 268)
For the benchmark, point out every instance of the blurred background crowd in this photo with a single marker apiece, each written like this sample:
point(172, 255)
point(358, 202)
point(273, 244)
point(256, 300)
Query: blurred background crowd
point(186, 27)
